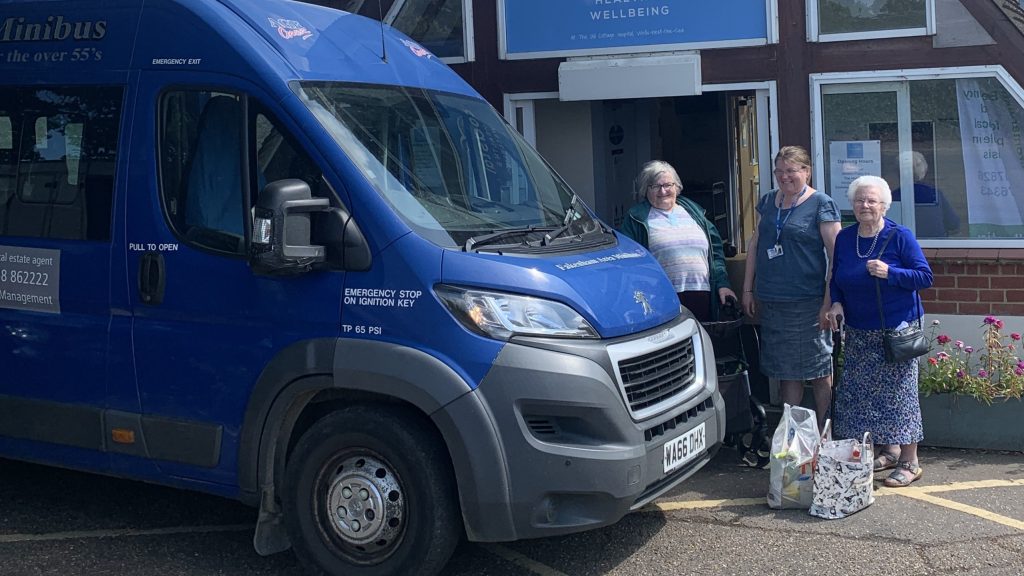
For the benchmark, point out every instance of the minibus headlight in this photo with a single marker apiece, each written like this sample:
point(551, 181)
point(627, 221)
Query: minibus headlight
point(501, 315)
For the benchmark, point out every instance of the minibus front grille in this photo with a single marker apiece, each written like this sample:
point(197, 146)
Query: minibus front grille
point(655, 377)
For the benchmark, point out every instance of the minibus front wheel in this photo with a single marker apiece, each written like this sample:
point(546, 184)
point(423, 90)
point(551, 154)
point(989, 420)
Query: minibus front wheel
point(369, 492)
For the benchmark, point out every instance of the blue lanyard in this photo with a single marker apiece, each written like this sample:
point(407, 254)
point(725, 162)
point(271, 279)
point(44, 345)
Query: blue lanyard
point(780, 222)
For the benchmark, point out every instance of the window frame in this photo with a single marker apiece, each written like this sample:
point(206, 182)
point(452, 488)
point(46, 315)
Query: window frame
point(816, 82)
point(814, 33)
point(468, 34)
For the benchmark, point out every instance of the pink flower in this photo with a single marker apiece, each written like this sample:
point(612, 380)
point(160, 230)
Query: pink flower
point(942, 339)
point(960, 374)
point(990, 320)
point(999, 324)
point(969, 349)
point(959, 343)
point(1014, 336)
point(933, 361)
point(1019, 371)
point(982, 373)
point(942, 356)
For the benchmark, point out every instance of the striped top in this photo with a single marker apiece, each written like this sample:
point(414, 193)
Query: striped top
point(681, 247)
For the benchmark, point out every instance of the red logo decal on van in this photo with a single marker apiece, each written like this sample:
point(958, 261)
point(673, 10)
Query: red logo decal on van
point(289, 29)
point(417, 49)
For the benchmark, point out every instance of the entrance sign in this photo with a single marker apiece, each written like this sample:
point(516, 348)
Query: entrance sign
point(542, 28)
point(990, 122)
point(849, 160)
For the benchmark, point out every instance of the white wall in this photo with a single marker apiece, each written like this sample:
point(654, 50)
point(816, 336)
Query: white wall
point(565, 139)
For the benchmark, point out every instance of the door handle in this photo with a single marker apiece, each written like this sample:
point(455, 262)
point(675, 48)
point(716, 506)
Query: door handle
point(152, 278)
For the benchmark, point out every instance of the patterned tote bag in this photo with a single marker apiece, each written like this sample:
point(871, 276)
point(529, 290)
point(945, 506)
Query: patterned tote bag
point(843, 478)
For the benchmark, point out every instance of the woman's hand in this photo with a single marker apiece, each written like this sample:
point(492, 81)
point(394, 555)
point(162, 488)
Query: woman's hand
point(835, 316)
point(724, 294)
point(878, 269)
point(824, 321)
point(749, 308)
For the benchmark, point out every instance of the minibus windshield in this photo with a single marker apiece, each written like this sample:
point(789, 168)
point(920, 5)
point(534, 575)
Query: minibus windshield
point(453, 169)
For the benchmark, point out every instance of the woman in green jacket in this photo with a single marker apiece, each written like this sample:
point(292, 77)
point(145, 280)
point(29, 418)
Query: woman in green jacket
point(681, 238)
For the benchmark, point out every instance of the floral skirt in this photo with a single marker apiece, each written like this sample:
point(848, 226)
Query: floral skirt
point(874, 395)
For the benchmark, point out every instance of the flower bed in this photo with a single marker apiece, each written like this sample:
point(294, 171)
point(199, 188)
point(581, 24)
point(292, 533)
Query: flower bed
point(994, 371)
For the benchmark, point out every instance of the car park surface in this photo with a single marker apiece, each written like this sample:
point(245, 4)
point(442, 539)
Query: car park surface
point(966, 516)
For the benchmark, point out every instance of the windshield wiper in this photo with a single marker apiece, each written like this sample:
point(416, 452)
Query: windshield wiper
point(572, 217)
point(498, 237)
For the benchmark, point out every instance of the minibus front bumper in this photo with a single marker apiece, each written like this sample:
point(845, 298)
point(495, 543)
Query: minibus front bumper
point(568, 435)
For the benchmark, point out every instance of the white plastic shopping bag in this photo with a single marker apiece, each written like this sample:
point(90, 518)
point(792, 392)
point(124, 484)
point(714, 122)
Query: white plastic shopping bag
point(843, 478)
point(794, 447)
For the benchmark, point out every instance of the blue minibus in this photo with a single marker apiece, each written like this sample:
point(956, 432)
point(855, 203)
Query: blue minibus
point(282, 254)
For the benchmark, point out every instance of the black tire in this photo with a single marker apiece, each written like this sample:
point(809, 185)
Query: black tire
point(387, 480)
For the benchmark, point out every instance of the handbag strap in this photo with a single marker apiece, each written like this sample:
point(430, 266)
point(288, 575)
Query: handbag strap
point(878, 290)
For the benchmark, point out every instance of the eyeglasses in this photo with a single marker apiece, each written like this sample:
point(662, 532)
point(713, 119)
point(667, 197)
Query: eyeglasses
point(788, 172)
point(869, 202)
point(669, 186)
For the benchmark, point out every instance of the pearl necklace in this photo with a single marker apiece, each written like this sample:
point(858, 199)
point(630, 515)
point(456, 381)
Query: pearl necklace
point(873, 242)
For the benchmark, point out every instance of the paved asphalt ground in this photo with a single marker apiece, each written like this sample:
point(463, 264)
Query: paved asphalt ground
point(966, 516)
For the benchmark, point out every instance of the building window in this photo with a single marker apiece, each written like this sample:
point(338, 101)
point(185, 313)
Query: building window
point(837, 20)
point(58, 151)
point(956, 139)
point(445, 27)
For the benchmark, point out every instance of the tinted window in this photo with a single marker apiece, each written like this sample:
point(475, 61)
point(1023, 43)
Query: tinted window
point(201, 167)
point(846, 16)
point(206, 180)
point(58, 149)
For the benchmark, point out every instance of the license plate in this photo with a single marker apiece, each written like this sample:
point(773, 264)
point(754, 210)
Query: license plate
point(686, 447)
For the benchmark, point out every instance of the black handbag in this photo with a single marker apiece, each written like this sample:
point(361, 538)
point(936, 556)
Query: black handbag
point(907, 343)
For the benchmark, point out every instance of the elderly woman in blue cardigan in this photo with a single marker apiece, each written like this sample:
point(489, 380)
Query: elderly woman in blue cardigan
point(681, 238)
point(877, 272)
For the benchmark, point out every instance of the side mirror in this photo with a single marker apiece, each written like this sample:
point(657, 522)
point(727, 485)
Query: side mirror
point(281, 228)
point(347, 248)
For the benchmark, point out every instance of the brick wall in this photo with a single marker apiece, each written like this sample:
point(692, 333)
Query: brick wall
point(976, 281)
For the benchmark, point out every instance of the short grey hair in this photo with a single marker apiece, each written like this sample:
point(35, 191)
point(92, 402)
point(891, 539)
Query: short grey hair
point(650, 172)
point(871, 182)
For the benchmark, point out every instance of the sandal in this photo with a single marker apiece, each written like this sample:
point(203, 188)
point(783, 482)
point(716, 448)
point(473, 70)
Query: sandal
point(886, 461)
point(904, 474)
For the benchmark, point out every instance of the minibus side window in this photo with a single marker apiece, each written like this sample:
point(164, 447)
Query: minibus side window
point(278, 157)
point(58, 148)
point(202, 180)
point(8, 165)
point(201, 155)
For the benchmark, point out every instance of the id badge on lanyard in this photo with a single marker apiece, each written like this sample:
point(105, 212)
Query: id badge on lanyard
point(776, 251)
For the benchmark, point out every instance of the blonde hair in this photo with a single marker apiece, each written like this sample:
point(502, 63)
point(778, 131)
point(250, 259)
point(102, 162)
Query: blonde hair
point(795, 155)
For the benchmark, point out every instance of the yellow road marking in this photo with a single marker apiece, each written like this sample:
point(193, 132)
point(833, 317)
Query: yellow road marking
point(919, 492)
point(965, 508)
point(521, 560)
point(698, 504)
point(968, 485)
